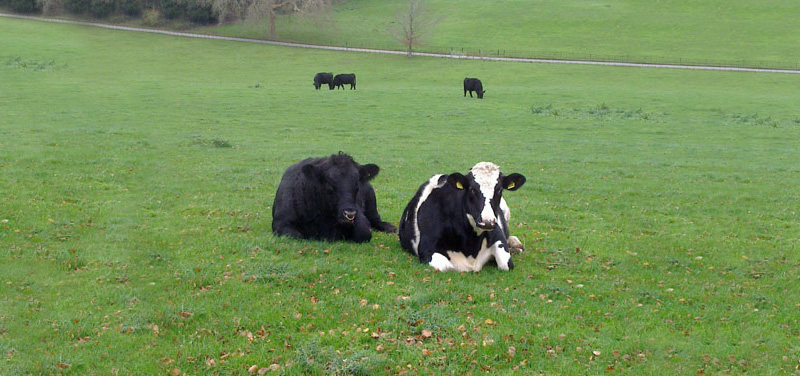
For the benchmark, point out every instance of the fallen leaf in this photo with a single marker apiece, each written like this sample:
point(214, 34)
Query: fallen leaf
point(253, 369)
point(426, 333)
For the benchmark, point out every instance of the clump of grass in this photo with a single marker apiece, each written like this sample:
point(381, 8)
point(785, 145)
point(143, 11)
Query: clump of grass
point(602, 112)
point(756, 120)
point(214, 142)
point(33, 65)
point(541, 110)
point(268, 273)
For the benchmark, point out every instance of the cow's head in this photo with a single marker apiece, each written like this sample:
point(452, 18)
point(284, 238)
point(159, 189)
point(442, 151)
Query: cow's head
point(340, 179)
point(480, 93)
point(481, 191)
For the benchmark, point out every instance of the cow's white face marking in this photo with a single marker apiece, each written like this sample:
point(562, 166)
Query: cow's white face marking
point(432, 184)
point(487, 175)
point(501, 255)
point(441, 263)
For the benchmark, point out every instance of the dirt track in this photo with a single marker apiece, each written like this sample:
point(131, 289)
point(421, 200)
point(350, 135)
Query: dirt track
point(393, 52)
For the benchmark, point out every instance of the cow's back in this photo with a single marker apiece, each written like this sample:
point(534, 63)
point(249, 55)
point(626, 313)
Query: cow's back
point(290, 203)
point(409, 231)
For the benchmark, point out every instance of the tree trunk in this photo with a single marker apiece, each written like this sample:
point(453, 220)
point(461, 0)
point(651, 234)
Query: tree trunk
point(273, 33)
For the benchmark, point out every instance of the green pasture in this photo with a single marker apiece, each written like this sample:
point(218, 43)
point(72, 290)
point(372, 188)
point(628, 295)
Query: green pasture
point(137, 174)
point(761, 33)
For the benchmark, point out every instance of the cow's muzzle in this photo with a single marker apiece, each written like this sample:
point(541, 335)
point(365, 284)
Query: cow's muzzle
point(487, 224)
point(349, 215)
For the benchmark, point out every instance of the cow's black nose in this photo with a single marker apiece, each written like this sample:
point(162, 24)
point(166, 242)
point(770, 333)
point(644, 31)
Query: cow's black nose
point(350, 215)
point(486, 225)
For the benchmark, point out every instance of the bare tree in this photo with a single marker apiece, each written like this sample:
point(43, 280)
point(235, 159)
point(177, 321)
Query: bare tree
point(413, 24)
point(268, 10)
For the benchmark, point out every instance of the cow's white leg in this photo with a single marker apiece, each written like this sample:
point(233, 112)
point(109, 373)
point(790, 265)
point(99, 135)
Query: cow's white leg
point(501, 255)
point(483, 256)
point(441, 263)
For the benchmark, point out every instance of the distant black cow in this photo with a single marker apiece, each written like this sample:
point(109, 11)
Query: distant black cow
point(457, 222)
point(323, 78)
point(345, 78)
point(328, 199)
point(473, 84)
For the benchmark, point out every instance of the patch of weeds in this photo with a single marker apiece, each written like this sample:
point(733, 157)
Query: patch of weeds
point(431, 318)
point(268, 273)
point(557, 257)
point(158, 259)
point(676, 265)
point(601, 112)
point(756, 120)
point(309, 356)
point(256, 86)
point(70, 260)
point(761, 302)
point(214, 142)
point(554, 292)
point(647, 297)
point(541, 110)
point(33, 65)
point(312, 358)
point(356, 364)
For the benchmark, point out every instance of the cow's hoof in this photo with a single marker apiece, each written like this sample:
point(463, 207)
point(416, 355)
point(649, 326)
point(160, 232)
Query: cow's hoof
point(515, 245)
point(387, 227)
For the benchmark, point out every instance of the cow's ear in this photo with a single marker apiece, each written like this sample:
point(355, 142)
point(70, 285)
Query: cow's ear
point(312, 172)
point(368, 171)
point(457, 180)
point(513, 182)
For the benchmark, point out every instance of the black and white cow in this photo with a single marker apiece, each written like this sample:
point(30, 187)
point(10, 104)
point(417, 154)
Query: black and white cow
point(323, 78)
point(345, 78)
point(328, 199)
point(457, 222)
point(473, 84)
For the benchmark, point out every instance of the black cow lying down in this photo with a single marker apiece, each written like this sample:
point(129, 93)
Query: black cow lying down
point(473, 84)
point(323, 78)
point(328, 199)
point(457, 222)
point(343, 79)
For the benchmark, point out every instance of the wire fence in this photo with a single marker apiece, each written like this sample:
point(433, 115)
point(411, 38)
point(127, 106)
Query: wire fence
point(494, 53)
point(562, 55)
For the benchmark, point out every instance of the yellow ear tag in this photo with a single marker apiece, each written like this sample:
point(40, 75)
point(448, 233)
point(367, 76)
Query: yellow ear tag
point(512, 185)
point(459, 185)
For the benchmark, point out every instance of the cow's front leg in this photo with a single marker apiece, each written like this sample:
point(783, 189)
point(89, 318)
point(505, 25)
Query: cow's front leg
point(361, 229)
point(426, 251)
point(515, 245)
point(286, 229)
point(370, 209)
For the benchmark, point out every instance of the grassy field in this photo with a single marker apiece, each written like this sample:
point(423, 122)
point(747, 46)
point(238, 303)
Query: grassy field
point(138, 171)
point(730, 32)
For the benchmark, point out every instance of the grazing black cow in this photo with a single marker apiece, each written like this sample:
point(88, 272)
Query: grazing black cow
point(323, 78)
point(473, 84)
point(457, 222)
point(328, 199)
point(345, 78)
